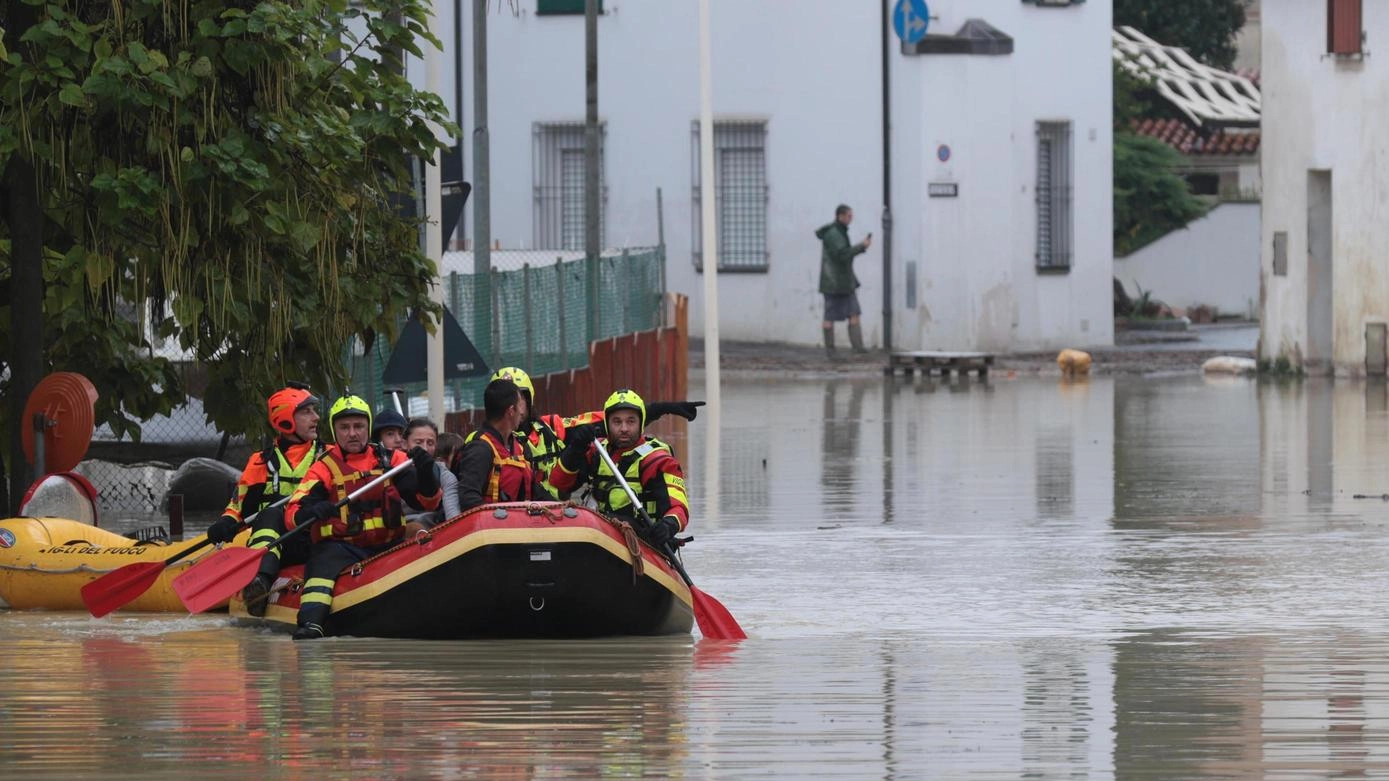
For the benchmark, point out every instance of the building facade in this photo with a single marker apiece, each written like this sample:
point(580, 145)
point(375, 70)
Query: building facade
point(1325, 286)
point(1001, 158)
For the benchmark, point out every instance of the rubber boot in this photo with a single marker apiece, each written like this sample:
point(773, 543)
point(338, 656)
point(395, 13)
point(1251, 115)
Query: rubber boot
point(309, 632)
point(257, 593)
point(829, 343)
point(856, 337)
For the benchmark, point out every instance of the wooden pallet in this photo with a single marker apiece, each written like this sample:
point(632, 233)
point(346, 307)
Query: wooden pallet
point(928, 361)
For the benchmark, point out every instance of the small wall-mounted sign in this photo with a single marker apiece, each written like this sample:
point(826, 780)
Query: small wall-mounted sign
point(943, 189)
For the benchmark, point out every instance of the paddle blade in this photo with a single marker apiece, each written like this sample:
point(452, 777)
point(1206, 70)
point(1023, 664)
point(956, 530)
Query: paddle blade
point(714, 620)
point(120, 587)
point(217, 578)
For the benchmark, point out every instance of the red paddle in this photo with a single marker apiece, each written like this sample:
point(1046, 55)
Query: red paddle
point(122, 586)
point(216, 578)
point(713, 618)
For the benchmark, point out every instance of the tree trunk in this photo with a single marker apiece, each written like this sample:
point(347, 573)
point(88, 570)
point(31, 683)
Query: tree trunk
point(25, 218)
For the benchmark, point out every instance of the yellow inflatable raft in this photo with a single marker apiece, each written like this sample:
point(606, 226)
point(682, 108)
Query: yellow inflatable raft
point(45, 562)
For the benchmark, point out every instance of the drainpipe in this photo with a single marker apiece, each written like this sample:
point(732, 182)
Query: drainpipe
point(887, 182)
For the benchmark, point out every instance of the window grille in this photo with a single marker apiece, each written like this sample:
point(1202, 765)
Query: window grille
point(740, 195)
point(1054, 196)
point(558, 171)
point(1343, 26)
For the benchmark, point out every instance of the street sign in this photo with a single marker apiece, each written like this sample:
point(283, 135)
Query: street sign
point(910, 19)
point(407, 362)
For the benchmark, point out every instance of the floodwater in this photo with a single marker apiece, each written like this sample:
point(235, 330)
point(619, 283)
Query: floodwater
point(1128, 577)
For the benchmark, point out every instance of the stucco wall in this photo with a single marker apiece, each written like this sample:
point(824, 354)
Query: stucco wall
point(978, 283)
point(811, 70)
point(1322, 113)
point(1213, 261)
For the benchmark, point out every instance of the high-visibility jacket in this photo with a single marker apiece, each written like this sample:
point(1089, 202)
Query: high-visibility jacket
point(512, 478)
point(271, 474)
point(651, 470)
point(545, 437)
point(375, 518)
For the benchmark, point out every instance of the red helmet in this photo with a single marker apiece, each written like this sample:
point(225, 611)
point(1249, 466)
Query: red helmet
point(284, 403)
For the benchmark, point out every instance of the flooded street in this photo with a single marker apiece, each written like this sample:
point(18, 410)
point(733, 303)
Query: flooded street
point(1127, 577)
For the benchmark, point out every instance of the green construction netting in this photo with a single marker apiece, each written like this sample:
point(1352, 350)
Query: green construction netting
point(535, 317)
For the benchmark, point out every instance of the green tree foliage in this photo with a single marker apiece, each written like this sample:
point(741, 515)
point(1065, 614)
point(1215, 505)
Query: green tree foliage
point(233, 167)
point(1205, 28)
point(1150, 199)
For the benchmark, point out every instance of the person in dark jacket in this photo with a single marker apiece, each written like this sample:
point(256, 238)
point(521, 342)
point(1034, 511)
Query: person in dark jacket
point(493, 466)
point(837, 280)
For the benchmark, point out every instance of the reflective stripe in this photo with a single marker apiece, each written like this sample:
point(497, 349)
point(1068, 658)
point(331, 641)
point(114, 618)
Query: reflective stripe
point(317, 591)
point(262, 538)
point(608, 492)
point(377, 515)
point(282, 476)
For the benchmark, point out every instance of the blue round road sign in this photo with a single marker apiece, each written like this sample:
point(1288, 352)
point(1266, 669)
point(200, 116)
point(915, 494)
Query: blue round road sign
point(910, 19)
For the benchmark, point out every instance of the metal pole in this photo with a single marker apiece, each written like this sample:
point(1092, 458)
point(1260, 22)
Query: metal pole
point(493, 288)
point(661, 244)
point(711, 268)
point(592, 219)
point(887, 184)
point(627, 305)
point(559, 288)
point(482, 182)
point(526, 308)
point(434, 237)
point(462, 229)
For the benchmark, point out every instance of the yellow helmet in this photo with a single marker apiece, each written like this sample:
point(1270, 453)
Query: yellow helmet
point(626, 398)
point(516, 375)
point(348, 406)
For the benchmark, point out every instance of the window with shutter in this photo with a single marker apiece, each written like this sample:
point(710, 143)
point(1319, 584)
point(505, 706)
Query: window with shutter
point(558, 186)
point(740, 195)
point(1054, 195)
point(1343, 18)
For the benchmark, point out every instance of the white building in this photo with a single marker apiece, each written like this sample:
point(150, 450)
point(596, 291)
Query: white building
point(1325, 167)
point(1012, 127)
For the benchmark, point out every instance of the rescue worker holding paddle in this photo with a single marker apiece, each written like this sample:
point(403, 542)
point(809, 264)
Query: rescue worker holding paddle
point(270, 476)
point(342, 532)
point(647, 464)
point(544, 435)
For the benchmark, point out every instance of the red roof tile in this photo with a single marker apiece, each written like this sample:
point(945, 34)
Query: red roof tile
point(1190, 141)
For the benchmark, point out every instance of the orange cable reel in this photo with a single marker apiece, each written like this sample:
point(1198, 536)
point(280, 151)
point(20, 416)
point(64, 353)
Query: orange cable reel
point(67, 402)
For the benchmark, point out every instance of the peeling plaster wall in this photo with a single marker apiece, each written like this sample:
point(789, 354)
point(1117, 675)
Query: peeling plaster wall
point(977, 281)
point(1324, 113)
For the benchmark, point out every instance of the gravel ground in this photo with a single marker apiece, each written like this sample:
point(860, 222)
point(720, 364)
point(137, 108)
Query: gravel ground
point(1136, 353)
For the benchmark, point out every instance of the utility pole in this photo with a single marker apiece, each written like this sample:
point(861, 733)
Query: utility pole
point(593, 237)
point(887, 183)
point(434, 238)
point(482, 187)
point(710, 262)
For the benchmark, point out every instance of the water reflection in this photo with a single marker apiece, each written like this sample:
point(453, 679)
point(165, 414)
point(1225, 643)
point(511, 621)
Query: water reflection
point(248, 704)
point(1134, 577)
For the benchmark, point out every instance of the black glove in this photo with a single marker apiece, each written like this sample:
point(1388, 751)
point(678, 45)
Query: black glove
point(685, 409)
point(224, 529)
point(576, 443)
point(424, 470)
point(662, 532)
point(318, 511)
